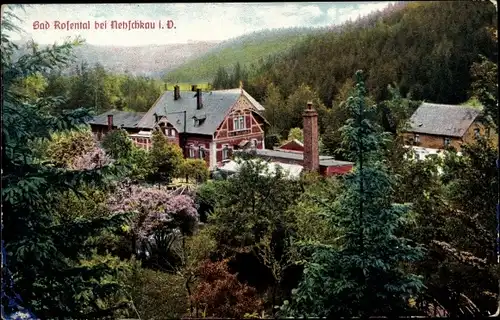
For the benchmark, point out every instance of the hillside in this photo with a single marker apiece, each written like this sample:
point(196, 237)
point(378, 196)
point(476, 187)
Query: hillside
point(425, 48)
point(251, 49)
point(246, 49)
point(150, 60)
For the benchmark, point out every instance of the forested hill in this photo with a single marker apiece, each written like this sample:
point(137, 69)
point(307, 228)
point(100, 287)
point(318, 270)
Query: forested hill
point(151, 60)
point(251, 49)
point(426, 48)
point(246, 49)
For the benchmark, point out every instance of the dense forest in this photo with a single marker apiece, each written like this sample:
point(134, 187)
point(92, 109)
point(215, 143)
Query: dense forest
point(91, 230)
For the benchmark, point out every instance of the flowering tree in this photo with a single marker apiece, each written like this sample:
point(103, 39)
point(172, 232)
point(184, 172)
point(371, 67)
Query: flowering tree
point(95, 158)
point(160, 221)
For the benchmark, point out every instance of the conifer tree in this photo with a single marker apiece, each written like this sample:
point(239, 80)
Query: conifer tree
point(362, 274)
point(43, 255)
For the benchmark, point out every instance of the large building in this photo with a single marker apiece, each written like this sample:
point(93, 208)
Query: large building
point(206, 125)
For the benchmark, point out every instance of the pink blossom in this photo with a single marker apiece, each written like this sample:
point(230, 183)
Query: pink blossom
point(155, 209)
point(93, 159)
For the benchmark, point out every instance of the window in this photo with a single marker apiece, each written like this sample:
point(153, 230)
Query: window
point(253, 144)
point(417, 138)
point(191, 152)
point(476, 133)
point(225, 153)
point(446, 142)
point(239, 123)
point(201, 152)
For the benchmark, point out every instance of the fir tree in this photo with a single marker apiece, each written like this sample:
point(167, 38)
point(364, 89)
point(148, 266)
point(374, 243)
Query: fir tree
point(362, 274)
point(44, 254)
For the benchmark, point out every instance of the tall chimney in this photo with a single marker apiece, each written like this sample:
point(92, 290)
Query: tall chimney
point(199, 103)
point(110, 122)
point(311, 139)
point(177, 92)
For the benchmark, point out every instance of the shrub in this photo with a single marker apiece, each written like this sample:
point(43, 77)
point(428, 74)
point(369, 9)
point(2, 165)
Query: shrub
point(156, 294)
point(117, 144)
point(194, 168)
point(65, 147)
point(220, 294)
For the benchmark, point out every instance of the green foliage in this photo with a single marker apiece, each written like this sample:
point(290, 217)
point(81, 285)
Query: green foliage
point(362, 274)
point(166, 158)
point(311, 225)
point(44, 253)
point(485, 86)
point(285, 114)
point(252, 204)
point(156, 294)
point(297, 134)
point(139, 164)
point(65, 147)
point(194, 168)
point(117, 144)
point(96, 89)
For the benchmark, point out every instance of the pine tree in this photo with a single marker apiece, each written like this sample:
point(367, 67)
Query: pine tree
point(362, 275)
point(43, 253)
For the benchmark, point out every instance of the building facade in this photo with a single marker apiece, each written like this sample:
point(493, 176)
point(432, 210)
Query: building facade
point(206, 125)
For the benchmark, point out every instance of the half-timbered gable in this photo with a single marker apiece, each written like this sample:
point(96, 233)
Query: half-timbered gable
point(242, 127)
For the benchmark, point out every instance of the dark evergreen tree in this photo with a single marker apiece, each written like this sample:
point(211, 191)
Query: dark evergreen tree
point(363, 274)
point(43, 252)
point(222, 79)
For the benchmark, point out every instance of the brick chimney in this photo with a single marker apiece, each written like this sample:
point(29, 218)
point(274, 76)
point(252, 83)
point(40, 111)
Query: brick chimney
point(311, 139)
point(110, 122)
point(177, 92)
point(199, 103)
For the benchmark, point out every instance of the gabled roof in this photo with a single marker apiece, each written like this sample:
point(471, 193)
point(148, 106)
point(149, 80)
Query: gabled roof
point(291, 143)
point(442, 120)
point(216, 104)
point(120, 118)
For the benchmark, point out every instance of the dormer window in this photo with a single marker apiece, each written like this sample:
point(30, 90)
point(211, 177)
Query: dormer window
point(198, 121)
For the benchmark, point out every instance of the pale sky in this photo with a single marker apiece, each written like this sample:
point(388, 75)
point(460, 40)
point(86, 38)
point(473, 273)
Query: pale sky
point(192, 21)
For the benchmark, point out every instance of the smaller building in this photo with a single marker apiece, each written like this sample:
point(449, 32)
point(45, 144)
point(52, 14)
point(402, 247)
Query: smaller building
point(292, 145)
point(115, 119)
point(438, 126)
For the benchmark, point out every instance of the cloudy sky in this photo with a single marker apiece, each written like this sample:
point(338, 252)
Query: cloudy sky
point(192, 21)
